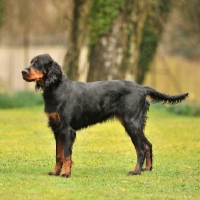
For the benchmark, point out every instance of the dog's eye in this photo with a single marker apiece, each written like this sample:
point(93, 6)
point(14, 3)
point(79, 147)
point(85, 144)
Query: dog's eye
point(37, 63)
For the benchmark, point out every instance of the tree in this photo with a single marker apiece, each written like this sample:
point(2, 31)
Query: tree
point(2, 12)
point(78, 40)
point(114, 40)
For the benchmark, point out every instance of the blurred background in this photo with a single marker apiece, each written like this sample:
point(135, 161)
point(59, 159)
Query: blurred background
point(152, 42)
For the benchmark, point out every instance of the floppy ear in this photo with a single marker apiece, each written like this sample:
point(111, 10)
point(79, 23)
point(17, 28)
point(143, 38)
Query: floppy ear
point(53, 74)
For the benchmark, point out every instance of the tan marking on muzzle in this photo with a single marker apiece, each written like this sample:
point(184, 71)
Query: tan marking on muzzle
point(35, 75)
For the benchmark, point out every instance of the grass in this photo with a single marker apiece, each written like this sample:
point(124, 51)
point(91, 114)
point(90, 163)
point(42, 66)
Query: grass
point(102, 155)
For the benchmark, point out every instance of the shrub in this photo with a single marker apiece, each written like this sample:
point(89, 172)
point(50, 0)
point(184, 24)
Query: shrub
point(181, 109)
point(20, 99)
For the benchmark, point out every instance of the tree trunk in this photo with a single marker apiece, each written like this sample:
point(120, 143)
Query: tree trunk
point(111, 41)
point(116, 54)
point(107, 57)
point(76, 58)
point(138, 14)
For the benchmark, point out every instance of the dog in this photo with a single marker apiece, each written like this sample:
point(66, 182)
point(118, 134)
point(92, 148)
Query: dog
point(72, 105)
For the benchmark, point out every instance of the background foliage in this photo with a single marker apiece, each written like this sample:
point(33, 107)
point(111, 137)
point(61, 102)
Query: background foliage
point(46, 29)
point(20, 99)
point(101, 17)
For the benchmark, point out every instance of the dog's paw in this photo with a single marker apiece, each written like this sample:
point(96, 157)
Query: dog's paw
point(53, 173)
point(65, 175)
point(133, 173)
point(147, 169)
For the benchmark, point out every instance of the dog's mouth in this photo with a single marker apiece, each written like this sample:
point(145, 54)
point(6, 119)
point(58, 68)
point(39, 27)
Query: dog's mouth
point(31, 75)
point(26, 78)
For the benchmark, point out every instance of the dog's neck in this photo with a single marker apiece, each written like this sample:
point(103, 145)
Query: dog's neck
point(41, 83)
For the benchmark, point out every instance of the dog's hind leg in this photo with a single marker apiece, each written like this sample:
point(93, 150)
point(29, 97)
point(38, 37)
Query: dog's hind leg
point(134, 120)
point(149, 155)
point(136, 139)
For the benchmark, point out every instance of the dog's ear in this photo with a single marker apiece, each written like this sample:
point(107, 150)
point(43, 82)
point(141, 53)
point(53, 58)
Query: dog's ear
point(53, 74)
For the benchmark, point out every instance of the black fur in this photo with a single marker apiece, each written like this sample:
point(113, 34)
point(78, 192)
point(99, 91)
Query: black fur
point(73, 105)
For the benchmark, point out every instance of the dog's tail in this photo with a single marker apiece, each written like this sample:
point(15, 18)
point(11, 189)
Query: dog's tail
point(160, 97)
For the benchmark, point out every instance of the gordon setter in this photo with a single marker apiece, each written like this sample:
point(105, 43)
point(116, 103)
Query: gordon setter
point(72, 105)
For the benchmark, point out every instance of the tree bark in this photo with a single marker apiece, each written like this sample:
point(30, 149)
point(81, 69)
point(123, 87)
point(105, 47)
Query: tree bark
point(107, 58)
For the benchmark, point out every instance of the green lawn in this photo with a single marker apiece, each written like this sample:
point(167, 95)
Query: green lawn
point(102, 155)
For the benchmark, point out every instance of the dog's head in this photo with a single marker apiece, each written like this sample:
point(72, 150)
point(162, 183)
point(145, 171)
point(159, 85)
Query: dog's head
point(44, 71)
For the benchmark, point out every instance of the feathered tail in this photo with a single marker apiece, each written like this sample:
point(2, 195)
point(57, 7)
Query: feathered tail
point(160, 97)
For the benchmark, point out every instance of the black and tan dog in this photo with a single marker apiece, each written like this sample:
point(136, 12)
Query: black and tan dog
point(72, 105)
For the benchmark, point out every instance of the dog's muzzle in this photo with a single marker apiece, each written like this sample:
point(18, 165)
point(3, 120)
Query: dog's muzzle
point(25, 74)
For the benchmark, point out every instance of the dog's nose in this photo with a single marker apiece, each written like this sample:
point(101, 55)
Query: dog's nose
point(25, 72)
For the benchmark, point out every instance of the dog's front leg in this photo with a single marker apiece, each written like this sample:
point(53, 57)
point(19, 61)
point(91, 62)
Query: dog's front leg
point(68, 139)
point(59, 157)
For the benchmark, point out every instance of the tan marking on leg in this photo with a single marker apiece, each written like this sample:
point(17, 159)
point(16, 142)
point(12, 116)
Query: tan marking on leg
point(59, 158)
point(66, 169)
point(148, 158)
point(137, 167)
